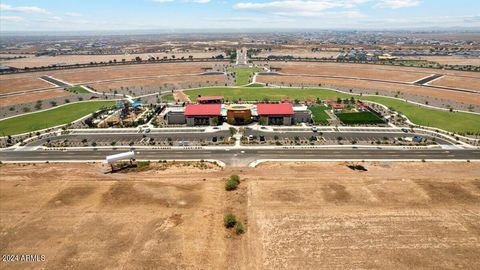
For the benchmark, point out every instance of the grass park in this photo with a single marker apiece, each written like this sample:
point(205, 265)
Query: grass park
point(458, 122)
point(77, 90)
point(359, 118)
point(243, 75)
point(51, 117)
point(320, 117)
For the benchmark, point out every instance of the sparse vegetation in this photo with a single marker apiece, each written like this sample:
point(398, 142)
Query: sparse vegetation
point(229, 220)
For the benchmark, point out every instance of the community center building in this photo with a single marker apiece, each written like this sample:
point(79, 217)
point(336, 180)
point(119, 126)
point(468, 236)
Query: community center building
point(210, 111)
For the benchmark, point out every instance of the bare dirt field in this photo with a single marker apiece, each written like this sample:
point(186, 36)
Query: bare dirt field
point(448, 60)
point(428, 93)
point(32, 97)
point(394, 216)
point(458, 82)
point(22, 84)
point(346, 71)
point(299, 53)
point(34, 61)
point(193, 80)
point(131, 71)
point(297, 68)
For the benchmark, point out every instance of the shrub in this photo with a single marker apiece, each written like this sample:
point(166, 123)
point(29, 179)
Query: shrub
point(231, 185)
point(229, 220)
point(239, 229)
point(235, 178)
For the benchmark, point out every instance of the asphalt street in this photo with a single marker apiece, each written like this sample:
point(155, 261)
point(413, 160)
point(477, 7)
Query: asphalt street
point(240, 158)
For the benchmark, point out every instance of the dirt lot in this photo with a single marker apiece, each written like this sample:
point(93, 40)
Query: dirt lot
point(448, 60)
point(194, 80)
point(32, 97)
point(33, 61)
point(394, 216)
point(347, 71)
point(458, 82)
point(299, 53)
point(131, 71)
point(298, 67)
point(21, 84)
point(428, 93)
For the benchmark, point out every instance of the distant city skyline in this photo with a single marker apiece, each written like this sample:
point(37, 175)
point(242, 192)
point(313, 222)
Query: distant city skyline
point(170, 15)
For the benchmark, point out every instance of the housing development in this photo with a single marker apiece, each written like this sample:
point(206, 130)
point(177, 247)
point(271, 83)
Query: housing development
point(240, 148)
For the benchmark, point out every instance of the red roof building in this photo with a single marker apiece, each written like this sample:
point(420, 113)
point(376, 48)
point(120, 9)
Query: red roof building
point(338, 106)
point(274, 109)
point(193, 110)
point(210, 99)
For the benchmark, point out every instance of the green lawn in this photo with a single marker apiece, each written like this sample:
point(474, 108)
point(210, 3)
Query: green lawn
point(319, 114)
point(358, 118)
point(255, 85)
point(242, 75)
point(77, 89)
point(167, 97)
point(454, 122)
point(261, 93)
point(50, 118)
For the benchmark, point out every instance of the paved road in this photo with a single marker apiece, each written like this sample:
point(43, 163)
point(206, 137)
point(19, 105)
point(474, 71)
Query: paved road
point(55, 81)
point(428, 79)
point(241, 158)
point(242, 57)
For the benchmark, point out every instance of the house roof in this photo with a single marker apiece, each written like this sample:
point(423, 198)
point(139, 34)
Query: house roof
point(209, 98)
point(203, 110)
point(275, 109)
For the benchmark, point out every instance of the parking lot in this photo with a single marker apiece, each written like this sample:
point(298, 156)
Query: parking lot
point(124, 139)
point(307, 136)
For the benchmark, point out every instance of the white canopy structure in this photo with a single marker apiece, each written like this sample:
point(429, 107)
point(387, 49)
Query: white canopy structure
point(120, 156)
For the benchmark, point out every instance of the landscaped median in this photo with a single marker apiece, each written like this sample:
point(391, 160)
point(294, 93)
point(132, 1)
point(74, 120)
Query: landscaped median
point(457, 122)
point(50, 118)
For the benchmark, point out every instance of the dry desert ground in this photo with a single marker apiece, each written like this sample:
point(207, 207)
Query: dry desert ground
point(449, 60)
point(34, 61)
point(458, 82)
point(311, 67)
point(381, 87)
point(297, 216)
point(194, 80)
point(22, 84)
point(33, 97)
point(299, 53)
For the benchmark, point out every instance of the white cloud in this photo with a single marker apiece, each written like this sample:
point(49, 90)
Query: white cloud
point(299, 5)
point(163, 1)
point(24, 9)
point(398, 3)
point(12, 19)
point(309, 8)
point(73, 14)
point(326, 15)
point(198, 1)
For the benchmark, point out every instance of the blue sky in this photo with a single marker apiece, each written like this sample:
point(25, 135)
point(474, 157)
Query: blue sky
point(67, 15)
